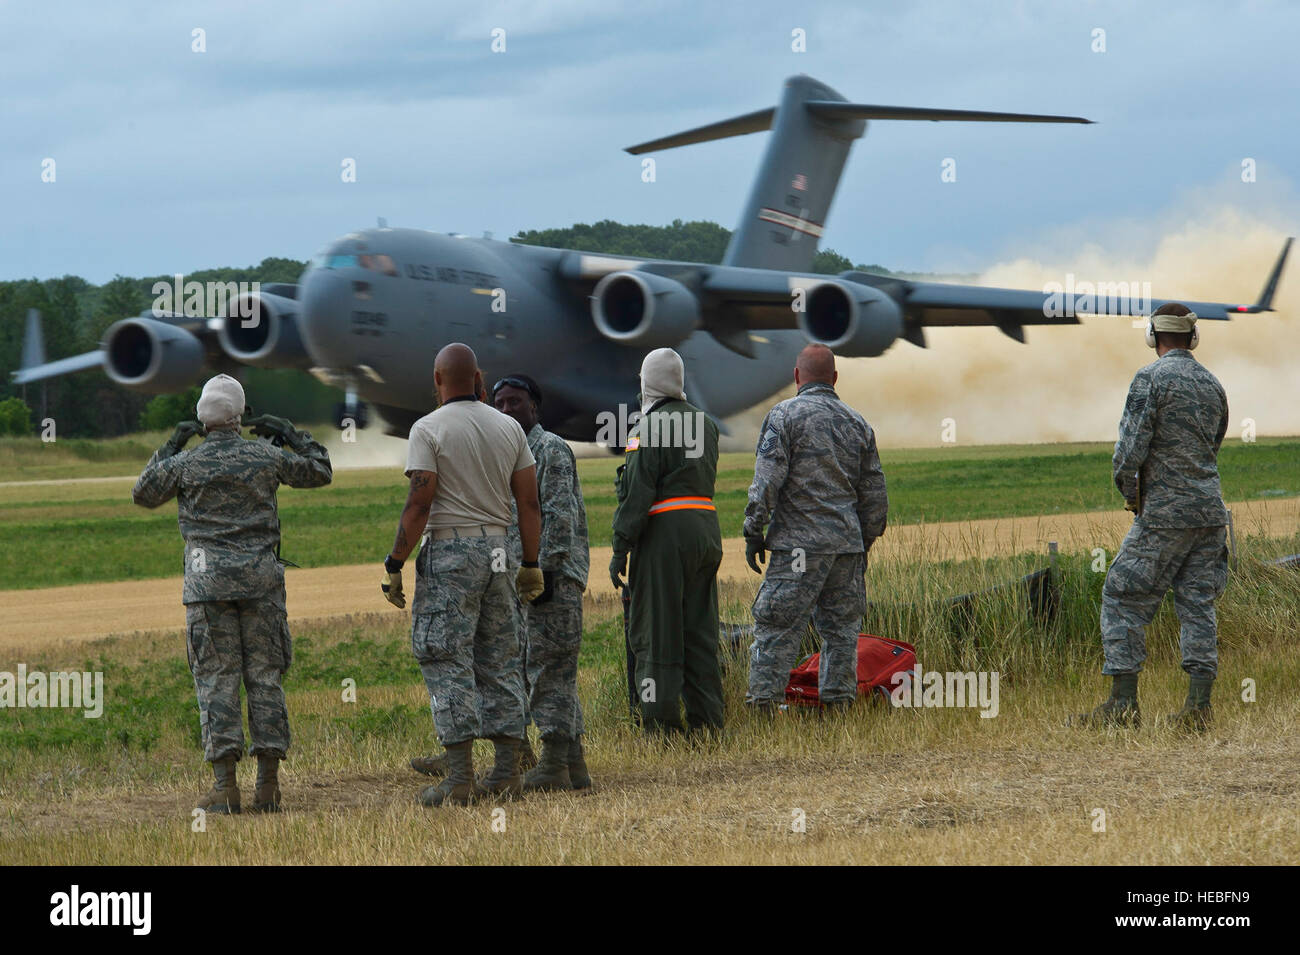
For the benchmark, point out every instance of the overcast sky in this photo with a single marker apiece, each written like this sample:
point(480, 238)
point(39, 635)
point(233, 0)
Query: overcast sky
point(170, 160)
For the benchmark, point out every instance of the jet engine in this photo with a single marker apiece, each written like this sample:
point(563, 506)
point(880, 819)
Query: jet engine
point(151, 356)
point(261, 329)
point(644, 310)
point(850, 319)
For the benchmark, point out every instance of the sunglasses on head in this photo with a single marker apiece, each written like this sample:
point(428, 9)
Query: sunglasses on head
point(513, 383)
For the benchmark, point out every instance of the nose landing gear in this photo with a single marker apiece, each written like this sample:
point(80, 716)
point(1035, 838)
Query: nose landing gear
point(352, 411)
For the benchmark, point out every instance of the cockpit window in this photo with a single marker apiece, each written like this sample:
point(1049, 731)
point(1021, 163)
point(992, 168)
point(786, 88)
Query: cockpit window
point(366, 260)
point(378, 263)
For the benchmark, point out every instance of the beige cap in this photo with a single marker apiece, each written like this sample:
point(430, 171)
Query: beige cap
point(1174, 323)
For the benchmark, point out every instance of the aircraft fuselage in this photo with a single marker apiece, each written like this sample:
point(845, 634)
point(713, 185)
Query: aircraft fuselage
point(376, 306)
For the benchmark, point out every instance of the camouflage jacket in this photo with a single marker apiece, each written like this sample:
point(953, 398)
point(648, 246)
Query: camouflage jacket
point(564, 517)
point(817, 477)
point(672, 452)
point(1174, 421)
point(225, 491)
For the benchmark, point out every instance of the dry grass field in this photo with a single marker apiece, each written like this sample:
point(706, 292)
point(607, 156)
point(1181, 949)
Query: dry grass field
point(937, 785)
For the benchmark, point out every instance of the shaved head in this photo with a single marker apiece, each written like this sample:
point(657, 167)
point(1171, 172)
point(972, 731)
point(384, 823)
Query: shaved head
point(455, 371)
point(815, 363)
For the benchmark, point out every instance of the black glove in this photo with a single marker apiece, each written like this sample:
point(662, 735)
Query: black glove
point(279, 430)
point(755, 553)
point(618, 569)
point(184, 431)
point(391, 585)
point(548, 588)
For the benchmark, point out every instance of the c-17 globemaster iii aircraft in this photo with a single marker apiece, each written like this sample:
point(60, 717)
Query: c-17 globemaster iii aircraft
point(373, 308)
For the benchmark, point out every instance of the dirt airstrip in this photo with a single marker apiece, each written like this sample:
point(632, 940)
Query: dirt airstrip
point(36, 618)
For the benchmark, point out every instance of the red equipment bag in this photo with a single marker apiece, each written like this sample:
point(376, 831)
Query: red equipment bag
point(879, 658)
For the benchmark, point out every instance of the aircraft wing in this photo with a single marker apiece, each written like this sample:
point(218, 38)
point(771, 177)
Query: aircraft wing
point(858, 313)
point(159, 352)
point(64, 366)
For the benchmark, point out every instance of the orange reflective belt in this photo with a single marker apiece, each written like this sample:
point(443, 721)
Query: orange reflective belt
point(682, 504)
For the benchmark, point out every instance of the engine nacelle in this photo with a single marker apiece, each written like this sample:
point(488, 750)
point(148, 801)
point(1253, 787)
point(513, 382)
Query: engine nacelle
point(268, 337)
point(853, 320)
point(644, 310)
point(151, 356)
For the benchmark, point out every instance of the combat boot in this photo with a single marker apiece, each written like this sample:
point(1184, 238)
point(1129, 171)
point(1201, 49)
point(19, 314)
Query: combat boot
point(552, 772)
point(430, 765)
point(578, 774)
point(223, 797)
point(1197, 714)
point(458, 788)
point(267, 796)
point(527, 758)
point(504, 778)
point(1120, 710)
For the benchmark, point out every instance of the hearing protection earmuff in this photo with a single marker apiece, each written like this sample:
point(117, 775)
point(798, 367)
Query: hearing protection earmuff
point(1196, 333)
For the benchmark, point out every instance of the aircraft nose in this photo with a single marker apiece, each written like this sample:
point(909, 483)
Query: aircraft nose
point(325, 298)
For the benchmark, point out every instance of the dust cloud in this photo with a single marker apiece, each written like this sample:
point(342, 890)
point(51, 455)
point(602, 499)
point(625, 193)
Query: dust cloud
point(371, 449)
point(1068, 383)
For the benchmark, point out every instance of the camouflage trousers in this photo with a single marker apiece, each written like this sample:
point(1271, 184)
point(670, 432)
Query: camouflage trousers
point(1194, 562)
point(829, 588)
point(553, 636)
point(232, 640)
point(463, 634)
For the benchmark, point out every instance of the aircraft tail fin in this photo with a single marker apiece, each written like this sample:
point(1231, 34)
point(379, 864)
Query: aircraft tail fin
point(812, 130)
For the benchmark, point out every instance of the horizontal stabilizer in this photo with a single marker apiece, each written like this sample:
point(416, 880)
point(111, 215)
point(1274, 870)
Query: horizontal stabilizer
point(830, 109)
point(761, 120)
point(755, 122)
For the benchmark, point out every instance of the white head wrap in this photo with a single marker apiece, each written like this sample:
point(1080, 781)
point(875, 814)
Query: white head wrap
point(222, 403)
point(662, 376)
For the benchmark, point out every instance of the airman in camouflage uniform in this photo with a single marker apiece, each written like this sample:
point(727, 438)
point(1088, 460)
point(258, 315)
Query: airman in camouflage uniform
point(464, 638)
point(552, 624)
point(465, 462)
point(234, 584)
point(818, 481)
point(1165, 466)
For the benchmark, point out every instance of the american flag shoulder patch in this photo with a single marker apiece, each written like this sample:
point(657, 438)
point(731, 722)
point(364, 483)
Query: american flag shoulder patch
point(633, 443)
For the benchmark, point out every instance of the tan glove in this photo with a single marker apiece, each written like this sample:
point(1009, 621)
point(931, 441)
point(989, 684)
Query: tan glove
point(530, 582)
point(391, 585)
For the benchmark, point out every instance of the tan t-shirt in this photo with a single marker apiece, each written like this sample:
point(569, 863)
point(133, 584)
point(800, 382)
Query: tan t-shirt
point(474, 449)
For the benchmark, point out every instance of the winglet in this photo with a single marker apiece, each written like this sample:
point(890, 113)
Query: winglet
point(1265, 303)
point(33, 341)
